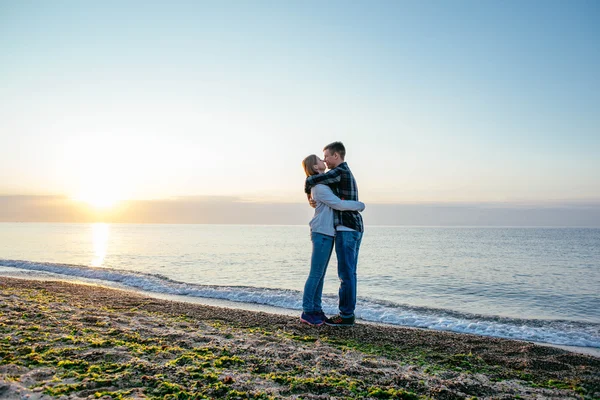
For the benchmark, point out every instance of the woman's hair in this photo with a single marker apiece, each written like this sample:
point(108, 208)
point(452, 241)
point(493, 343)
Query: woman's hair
point(308, 163)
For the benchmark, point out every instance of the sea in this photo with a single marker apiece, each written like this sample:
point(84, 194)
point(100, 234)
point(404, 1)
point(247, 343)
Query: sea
point(533, 284)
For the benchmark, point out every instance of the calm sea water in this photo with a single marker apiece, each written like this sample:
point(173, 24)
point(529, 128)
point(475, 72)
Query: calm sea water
point(523, 283)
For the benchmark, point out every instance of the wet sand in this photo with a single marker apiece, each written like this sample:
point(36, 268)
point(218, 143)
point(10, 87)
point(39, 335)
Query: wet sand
point(63, 340)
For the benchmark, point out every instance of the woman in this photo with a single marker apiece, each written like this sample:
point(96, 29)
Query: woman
point(322, 236)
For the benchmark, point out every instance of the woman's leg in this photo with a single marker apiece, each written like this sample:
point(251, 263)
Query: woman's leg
point(313, 288)
point(319, 289)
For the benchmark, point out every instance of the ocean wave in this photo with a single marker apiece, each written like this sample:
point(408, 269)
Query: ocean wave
point(559, 332)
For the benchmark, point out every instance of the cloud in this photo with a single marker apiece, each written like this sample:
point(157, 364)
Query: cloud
point(483, 215)
point(234, 210)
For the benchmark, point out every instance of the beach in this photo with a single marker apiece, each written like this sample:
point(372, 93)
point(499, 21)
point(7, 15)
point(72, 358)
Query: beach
point(63, 340)
point(534, 285)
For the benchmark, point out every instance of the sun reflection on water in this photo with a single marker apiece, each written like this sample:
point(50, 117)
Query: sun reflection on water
point(100, 233)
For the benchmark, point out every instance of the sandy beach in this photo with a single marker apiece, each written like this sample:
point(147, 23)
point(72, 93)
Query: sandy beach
point(61, 340)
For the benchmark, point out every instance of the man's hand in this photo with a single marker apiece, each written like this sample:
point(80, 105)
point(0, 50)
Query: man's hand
point(311, 201)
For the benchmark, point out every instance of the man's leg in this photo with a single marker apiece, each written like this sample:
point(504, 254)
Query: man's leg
point(347, 245)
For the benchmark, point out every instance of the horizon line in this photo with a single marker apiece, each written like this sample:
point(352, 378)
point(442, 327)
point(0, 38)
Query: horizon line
point(306, 225)
point(266, 200)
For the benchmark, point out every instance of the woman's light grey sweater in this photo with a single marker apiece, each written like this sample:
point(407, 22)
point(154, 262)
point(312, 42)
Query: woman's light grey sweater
point(327, 201)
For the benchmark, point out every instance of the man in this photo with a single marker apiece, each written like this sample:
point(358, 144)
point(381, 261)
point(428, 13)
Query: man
point(348, 225)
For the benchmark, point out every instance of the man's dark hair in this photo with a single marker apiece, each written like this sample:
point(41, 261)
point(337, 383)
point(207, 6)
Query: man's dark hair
point(336, 147)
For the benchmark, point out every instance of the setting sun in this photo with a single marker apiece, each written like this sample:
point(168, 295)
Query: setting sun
point(99, 201)
point(99, 197)
point(102, 177)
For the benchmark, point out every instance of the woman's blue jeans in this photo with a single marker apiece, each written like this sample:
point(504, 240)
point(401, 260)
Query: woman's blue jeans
point(322, 247)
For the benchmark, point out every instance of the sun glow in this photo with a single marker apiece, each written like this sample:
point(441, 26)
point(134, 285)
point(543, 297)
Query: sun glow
point(100, 199)
point(107, 166)
point(102, 193)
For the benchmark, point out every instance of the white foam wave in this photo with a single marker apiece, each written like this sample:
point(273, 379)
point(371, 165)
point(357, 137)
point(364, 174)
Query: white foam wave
point(566, 333)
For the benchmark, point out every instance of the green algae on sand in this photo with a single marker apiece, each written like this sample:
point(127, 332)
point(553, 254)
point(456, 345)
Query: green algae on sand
point(60, 339)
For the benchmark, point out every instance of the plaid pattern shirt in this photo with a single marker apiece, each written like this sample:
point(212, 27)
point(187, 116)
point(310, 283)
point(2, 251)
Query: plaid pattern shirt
point(343, 184)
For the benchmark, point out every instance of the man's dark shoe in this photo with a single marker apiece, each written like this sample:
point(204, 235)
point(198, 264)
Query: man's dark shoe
point(339, 320)
point(314, 319)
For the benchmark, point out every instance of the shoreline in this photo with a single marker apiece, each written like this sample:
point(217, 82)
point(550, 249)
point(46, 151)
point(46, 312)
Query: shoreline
point(593, 351)
point(74, 340)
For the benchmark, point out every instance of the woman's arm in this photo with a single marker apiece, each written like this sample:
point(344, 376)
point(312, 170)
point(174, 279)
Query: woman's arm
point(324, 194)
point(330, 177)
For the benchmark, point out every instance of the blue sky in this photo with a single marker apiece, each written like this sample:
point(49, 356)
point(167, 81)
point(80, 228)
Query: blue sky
point(447, 101)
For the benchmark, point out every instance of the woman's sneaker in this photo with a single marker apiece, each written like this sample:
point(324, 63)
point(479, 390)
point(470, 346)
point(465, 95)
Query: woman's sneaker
point(322, 315)
point(312, 318)
point(338, 320)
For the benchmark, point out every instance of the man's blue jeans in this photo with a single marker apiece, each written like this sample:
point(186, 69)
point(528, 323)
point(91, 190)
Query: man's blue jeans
point(347, 245)
point(313, 289)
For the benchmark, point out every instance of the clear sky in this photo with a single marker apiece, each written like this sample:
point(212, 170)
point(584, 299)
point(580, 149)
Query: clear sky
point(436, 101)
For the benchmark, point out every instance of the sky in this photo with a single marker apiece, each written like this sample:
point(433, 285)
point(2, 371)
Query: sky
point(438, 102)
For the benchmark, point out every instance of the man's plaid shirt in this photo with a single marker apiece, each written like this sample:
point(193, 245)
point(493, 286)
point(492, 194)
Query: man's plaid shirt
point(343, 184)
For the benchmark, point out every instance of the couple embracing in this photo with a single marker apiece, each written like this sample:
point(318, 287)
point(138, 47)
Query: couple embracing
point(337, 221)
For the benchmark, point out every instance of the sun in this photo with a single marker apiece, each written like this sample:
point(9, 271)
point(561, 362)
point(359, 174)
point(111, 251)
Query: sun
point(105, 173)
point(102, 202)
point(99, 198)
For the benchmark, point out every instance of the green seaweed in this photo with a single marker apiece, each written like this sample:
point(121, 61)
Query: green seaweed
point(79, 355)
